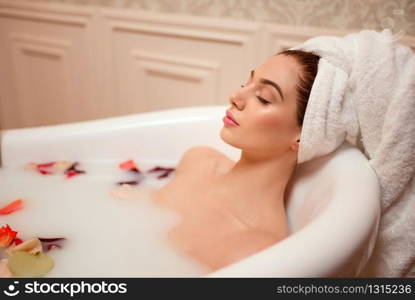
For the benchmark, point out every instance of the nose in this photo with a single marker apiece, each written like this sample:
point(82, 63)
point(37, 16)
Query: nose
point(237, 98)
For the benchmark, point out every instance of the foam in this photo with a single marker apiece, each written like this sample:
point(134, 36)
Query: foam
point(106, 236)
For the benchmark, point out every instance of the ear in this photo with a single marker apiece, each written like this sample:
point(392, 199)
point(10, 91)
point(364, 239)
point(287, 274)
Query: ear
point(295, 145)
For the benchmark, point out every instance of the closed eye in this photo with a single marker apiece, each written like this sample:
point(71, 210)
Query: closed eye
point(264, 101)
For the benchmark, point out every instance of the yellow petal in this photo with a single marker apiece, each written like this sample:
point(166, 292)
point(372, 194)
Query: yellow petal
point(4, 270)
point(62, 164)
point(33, 246)
point(23, 264)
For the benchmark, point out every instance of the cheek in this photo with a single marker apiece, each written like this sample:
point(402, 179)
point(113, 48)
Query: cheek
point(275, 125)
point(270, 120)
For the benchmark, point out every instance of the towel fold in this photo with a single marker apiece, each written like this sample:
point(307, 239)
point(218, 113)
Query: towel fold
point(364, 91)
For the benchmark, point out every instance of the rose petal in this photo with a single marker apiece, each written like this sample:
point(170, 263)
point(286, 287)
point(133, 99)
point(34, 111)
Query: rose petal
point(50, 243)
point(63, 165)
point(4, 270)
point(11, 207)
point(49, 240)
point(72, 171)
point(23, 264)
point(7, 235)
point(128, 165)
point(165, 174)
point(46, 165)
point(166, 171)
point(157, 169)
point(132, 182)
point(71, 174)
point(32, 246)
point(44, 172)
point(51, 246)
point(135, 170)
point(72, 167)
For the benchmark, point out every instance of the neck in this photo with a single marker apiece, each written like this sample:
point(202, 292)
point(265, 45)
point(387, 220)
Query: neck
point(257, 184)
point(266, 174)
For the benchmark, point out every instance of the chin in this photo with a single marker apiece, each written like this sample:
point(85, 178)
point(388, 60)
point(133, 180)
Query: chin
point(228, 138)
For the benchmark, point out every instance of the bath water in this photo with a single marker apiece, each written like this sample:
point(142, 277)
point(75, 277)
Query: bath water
point(105, 236)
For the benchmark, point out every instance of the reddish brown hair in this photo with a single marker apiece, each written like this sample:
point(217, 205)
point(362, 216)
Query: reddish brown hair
point(309, 64)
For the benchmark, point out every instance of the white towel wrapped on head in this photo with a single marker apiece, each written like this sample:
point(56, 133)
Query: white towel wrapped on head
point(365, 91)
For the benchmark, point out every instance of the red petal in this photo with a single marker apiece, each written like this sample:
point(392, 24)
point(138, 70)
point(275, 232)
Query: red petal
point(44, 172)
point(165, 174)
point(135, 170)
point(51, 246)
point(157, 169)
point(128, 165)
point(166, 171)
point(132, 182)
point(71, 174)
point(7, 235)
point(50, 243)
point(49, 240)
point(13, 206)
point(17, 241)
point(72, 167)
point(46, 165)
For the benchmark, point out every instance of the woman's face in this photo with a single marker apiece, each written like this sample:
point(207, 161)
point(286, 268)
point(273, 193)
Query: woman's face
point(266, 110)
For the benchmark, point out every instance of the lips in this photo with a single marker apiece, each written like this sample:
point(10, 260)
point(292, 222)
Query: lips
point(230, 116)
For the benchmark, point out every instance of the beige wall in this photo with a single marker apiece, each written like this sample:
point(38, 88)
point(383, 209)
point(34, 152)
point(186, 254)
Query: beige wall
point(67, 63)
point(398, 15)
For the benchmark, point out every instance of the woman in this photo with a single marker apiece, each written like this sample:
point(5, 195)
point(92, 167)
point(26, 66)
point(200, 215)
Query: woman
point(231, 210)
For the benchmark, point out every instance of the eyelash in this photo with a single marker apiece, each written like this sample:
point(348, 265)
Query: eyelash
point(262, 100)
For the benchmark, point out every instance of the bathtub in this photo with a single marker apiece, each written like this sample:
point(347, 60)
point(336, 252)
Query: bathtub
point(333, 205)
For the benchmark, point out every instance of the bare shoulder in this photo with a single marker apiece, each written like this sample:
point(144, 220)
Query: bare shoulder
point(196, 151)
point(197, 156)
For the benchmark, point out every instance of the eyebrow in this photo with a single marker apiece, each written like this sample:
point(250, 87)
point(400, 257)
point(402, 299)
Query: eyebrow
point(270, 82)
